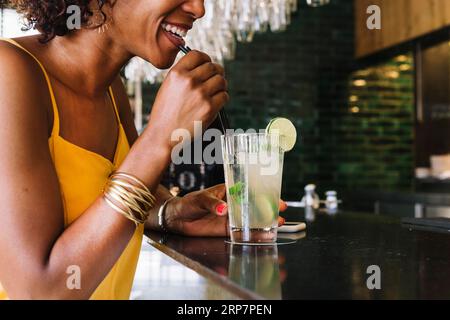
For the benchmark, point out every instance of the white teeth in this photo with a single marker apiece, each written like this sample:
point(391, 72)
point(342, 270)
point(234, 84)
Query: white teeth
point(175, 30)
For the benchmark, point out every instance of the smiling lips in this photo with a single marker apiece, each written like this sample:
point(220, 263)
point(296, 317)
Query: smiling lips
point(175, 33)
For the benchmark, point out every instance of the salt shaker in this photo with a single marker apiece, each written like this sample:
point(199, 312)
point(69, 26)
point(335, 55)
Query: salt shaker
point(311, 199)
point(331, 201)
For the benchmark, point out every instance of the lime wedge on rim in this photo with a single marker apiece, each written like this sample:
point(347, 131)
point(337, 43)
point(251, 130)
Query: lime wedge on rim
point(286, 129)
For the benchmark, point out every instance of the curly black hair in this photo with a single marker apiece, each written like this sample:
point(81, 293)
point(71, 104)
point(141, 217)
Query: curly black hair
point(50, 17)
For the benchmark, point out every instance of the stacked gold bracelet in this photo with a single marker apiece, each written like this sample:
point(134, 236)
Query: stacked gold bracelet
point(129, 196)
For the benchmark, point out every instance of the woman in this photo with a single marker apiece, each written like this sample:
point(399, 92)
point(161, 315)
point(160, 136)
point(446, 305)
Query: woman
point(67, 127)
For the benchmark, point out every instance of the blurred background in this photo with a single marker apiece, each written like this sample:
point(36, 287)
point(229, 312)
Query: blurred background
point(372, 107)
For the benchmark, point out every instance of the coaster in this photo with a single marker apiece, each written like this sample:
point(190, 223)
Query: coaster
point(280, 242)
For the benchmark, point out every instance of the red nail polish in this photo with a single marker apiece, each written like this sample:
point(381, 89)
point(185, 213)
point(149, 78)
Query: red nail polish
point(283, 205)
point(220, 209)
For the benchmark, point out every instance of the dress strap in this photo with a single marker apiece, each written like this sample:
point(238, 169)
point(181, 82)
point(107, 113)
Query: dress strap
point(113, 99)
point(55, 130)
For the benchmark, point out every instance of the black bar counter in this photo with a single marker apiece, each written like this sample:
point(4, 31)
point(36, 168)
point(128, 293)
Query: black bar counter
point(328, 261)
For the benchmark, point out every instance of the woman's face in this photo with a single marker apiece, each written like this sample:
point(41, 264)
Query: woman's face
point(148, 28)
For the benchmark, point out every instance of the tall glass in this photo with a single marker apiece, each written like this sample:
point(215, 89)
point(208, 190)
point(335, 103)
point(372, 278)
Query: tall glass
point(253, 165)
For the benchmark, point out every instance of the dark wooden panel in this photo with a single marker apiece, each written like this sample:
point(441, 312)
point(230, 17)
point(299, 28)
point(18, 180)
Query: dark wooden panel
point(433, 123)
point(402, 20)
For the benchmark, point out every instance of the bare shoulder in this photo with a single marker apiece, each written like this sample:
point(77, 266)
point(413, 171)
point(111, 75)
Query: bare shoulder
point(24, 132)
point(23, 87)
point(24, 96)
point(17, 63)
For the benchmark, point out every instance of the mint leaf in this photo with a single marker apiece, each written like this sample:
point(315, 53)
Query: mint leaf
point(237, 192)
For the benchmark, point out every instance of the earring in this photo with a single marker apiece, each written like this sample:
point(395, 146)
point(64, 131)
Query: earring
point(103, 27)
point(100, 21)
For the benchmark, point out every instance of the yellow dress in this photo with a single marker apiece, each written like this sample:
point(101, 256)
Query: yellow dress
point(82, 175)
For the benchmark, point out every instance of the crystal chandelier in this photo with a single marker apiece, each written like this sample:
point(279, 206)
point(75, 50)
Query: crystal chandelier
point(225, 23)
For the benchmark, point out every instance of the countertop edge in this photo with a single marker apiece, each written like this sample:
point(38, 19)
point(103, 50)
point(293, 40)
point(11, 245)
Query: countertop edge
point(209, 274)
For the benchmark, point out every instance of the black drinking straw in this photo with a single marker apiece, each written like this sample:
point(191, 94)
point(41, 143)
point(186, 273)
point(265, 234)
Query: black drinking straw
point(223, 118)
point(185, 50)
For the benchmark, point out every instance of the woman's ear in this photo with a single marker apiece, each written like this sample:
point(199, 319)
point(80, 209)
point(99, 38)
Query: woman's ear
point(101, 15)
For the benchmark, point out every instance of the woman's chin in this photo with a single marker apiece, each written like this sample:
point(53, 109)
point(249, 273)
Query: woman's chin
point(164, 63)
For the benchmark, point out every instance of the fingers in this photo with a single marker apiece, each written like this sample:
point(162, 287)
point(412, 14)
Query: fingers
point(215, 85)
point(221, 209)
point(193, 60)
point(283, 206)
point(207, 71)
point(214, 205)
point(219, 191)
point(220, 99)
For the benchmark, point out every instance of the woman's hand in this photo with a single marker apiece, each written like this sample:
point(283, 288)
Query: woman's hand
point(202, 213)
point(194, 90)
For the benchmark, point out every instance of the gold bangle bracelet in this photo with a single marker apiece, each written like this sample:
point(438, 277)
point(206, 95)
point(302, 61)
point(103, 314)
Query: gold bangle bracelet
point(129, 196)
point(134, 197)
point(119, 204)
point(132, 178)
point(122, 177)
point(145, 192)
point(123, 212)
point(144, 196)
point(128, 200)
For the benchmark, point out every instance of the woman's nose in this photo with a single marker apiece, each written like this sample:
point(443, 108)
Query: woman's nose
point(196, 8)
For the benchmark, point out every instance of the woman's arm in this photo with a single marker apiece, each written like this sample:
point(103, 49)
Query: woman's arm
point(126, 117)
point(35, 249)
point(195, 214)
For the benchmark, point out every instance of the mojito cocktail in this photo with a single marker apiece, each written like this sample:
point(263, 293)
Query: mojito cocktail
point(253, 165)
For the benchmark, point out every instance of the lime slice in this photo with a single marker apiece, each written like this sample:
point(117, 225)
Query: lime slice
point(266, 210)
point(286, 129)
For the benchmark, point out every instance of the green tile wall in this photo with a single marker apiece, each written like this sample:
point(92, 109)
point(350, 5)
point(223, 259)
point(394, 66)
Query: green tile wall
point(301, 74)
point(307, 74)
point(376, 135)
